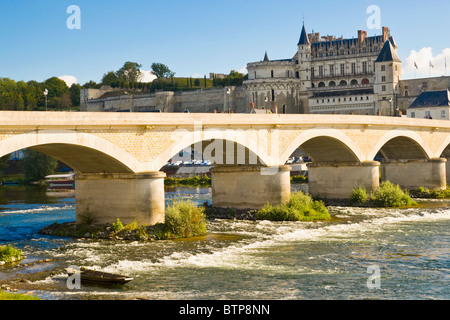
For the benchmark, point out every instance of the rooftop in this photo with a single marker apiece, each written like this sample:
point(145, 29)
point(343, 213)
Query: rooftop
point(430, 99)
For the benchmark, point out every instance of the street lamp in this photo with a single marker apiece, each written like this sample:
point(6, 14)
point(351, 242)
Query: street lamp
point(265, 105)
point(46, 94)
point(228, 93)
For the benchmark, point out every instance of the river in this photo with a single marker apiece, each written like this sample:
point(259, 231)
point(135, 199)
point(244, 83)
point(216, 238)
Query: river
point(363, 253)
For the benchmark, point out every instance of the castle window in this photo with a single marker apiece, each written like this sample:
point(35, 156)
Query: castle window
point(413, 114)
point(354, 82)
point(342, 52)
point(312, 73)
point(353, 51)
point(365, 81)
point(443, 114)
point(383, 88)
point(322, 85)
point(383, 68)
point(271, 74)
point(364, 65)
point(331, 70)
point(342, 69)
point(297, 75)
point(406, 93)
point(343, 83)
point(331, 53)
point(273, 95)
point(332, 84)
point(321, 72)
point(353, 68)
point(383, 79)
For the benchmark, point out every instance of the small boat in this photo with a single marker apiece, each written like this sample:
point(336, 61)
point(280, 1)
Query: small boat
point(61, 181)
point(11, 183)
point(99, 277)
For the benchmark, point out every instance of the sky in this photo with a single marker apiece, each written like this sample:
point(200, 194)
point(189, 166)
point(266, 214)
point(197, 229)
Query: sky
point(40, 39)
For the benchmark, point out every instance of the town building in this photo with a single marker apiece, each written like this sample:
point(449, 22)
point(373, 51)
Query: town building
point(431, 105)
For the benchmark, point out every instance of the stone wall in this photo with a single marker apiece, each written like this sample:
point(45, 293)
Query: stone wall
point(199, 101)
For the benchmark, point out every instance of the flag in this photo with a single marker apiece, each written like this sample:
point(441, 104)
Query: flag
point(415, 65)
point(431, 65)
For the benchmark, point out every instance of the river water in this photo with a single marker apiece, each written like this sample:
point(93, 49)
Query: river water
point(363, 253)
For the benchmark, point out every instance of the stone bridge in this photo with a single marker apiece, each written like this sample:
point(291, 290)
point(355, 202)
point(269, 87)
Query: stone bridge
point(118, 156)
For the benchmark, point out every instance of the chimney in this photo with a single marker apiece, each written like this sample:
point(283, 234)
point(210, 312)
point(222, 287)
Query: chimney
point(362, 35)
point(386, 34)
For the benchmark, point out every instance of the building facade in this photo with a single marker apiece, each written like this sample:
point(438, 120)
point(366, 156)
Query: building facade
point(328, 75)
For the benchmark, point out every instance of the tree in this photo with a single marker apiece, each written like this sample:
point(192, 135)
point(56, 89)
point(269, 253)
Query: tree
point(130, 72)
point(4, 161)
point(36, 166)
point(110, 78)
point(75, 94)
point(162, 71)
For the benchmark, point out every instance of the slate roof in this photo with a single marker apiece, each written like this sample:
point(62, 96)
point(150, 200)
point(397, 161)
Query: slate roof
point(432, 99)
point(303, 37)
point(388, 53)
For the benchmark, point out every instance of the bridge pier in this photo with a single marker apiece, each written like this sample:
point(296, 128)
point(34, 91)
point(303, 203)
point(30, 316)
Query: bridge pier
point(413, 174)
point(104, 198)
point(250, 187)
point(337, 180)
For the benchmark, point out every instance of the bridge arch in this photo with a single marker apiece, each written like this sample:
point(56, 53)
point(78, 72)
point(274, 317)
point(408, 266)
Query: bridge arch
point(325, 145)
point(217, 140)
point(401, 144)
point(444, 149)
point(84, 152)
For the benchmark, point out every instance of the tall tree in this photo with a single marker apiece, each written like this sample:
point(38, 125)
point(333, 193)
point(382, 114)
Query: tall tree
point(36, 165)
point(162, 71)
point(130, 72)
point(110, 78)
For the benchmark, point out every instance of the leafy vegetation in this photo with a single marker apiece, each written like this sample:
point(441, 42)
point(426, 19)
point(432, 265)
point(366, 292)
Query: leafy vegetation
point(9, 254)
point(359, 195)
point(388, 195)
point(299, 179)
point(16, 296)
point(194, 181)
point(184, 219)
point(435, 194)
point(300, 207)
point(36, 166)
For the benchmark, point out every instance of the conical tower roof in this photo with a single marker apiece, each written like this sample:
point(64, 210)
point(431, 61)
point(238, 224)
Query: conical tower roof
point(388, 53)
point(304, 37)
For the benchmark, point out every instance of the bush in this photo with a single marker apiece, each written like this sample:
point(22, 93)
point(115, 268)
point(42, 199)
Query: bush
point(184, 219)
point(390, 195)
point(117, 226)
point(9, 254)
point(300, 207)
point(359, 196)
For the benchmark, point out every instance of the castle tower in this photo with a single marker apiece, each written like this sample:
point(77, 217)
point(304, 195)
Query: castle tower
point(303, 69)
point(387, 77)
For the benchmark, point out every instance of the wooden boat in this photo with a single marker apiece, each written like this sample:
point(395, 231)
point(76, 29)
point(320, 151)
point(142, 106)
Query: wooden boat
point(99, 277)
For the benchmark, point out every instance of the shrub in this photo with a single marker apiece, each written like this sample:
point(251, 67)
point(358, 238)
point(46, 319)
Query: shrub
point(184, 219)
point(9, 254)
point(117, 226)
point(300, 207)
point(390, 195)
point(359, 195)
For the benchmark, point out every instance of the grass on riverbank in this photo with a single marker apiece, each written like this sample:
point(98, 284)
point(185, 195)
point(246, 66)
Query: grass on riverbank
point(433, 194)
point(16, 296)
point(194, 181)
point(300, 207)
point(387, 196)
point(10, 254)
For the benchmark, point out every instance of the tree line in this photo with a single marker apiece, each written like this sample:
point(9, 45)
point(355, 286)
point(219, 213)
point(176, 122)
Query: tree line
point(29, 96)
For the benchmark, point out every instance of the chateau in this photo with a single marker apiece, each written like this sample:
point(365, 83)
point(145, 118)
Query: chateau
point(327, 75)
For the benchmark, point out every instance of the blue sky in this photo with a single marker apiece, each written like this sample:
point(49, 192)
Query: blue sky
point(196, 37)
